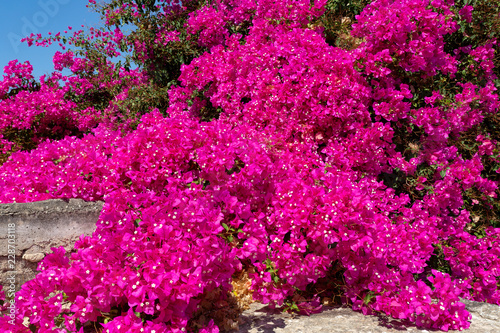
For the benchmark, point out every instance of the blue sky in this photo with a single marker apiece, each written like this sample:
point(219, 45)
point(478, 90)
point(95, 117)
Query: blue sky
point(20, 18)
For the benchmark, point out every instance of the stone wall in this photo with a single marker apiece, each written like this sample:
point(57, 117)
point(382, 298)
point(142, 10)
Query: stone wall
point(31, 229)
point(262, 319)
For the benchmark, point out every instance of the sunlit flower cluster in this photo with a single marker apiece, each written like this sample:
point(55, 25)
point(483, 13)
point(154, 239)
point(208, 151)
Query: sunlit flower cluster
point(287, 180)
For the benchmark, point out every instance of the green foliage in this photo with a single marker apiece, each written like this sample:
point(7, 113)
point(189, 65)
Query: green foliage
point(337, 21)
point(290, 306)
point(485, 25)
point(437, 260)
point(230, 233)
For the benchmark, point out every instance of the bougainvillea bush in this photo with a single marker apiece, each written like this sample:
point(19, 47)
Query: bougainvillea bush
point(366, 174)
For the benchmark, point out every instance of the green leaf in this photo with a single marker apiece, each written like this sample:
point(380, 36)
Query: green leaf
point(230, 238)
point(137, 314)
point(225, 226)
point(368, 297)
point(443, 172)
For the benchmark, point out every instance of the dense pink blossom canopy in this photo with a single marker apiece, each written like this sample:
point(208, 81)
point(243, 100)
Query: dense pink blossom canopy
point(292, 166)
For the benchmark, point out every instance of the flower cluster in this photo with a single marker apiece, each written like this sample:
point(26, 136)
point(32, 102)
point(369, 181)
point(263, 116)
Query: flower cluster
point(45, 109)
point(290, 180)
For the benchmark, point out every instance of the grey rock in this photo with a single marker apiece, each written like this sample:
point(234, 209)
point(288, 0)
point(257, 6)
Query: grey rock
point(484, 310)
point(33, 257)
point(39, 226)
point(260, 319)
point(50, 207)
point(47, 223)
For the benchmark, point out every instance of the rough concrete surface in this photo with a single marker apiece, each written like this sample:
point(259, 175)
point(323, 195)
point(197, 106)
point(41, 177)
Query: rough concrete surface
point(38, 227)
point(259, 319)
